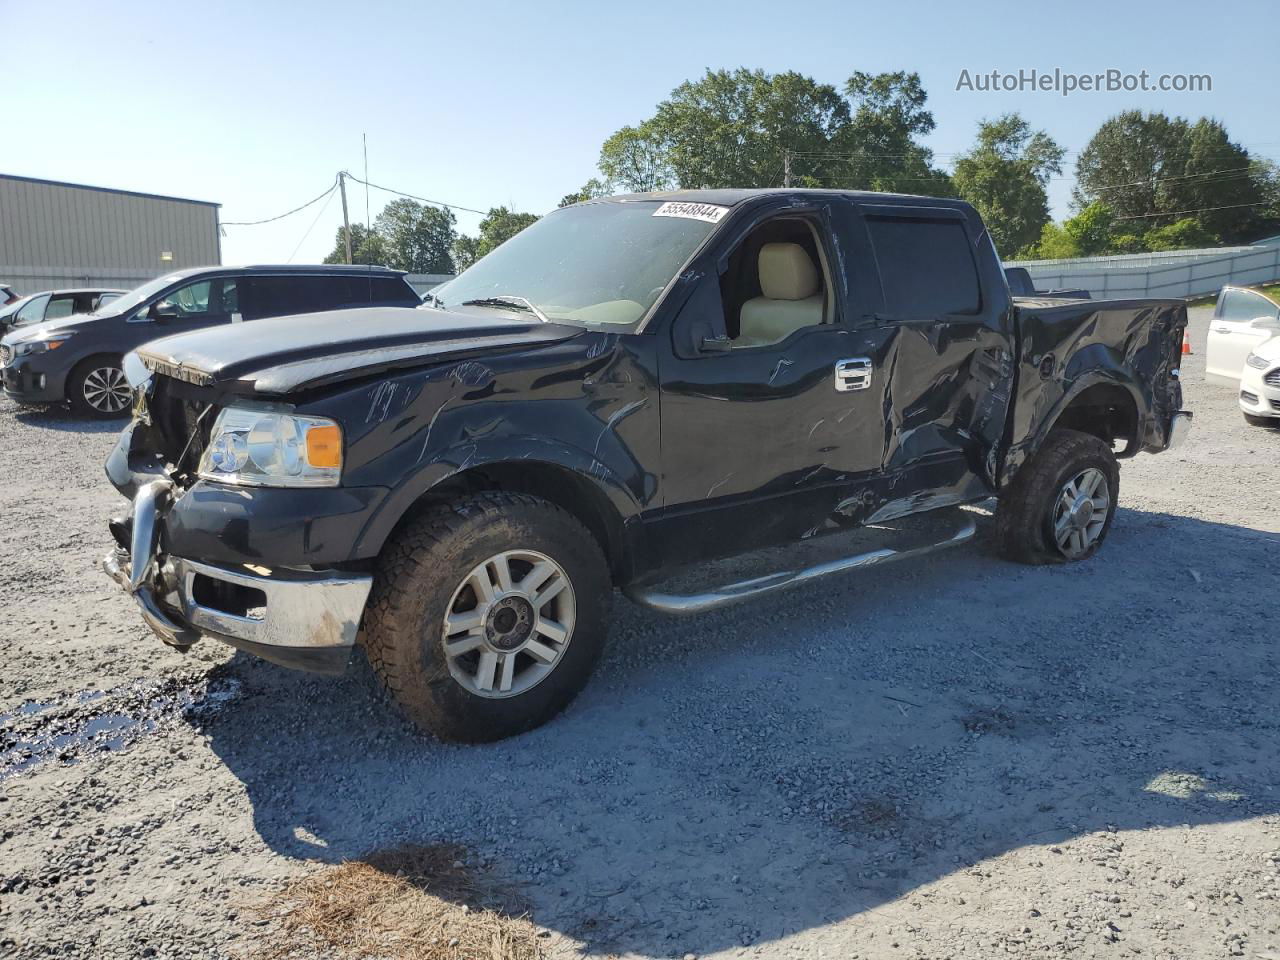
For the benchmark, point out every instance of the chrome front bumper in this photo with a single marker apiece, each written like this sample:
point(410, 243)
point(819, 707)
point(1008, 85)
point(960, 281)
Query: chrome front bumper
point(299, 618)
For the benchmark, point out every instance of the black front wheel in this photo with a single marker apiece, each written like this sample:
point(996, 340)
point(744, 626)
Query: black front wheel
point(98, 388)
point(1060, 506)
point(487, 615)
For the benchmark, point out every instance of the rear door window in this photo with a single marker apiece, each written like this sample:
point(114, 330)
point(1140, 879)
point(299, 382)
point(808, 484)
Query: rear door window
point(60, 307)
point(926, 266)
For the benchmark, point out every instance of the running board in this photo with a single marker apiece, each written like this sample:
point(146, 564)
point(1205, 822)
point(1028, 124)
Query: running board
point(652, 595)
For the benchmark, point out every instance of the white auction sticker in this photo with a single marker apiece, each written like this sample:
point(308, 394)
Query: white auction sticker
point(709, 212)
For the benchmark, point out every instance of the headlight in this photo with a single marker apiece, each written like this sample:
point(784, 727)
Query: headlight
point(264, 448)
point(1257, 362)
point(28, 347)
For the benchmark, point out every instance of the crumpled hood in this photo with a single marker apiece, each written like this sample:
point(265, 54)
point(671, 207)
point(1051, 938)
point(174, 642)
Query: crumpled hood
point(285, 354)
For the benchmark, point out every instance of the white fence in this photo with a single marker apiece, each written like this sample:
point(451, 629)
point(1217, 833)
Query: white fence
point(1176, 273)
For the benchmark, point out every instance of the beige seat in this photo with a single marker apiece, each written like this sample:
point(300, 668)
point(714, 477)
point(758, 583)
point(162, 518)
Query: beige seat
point(792, 296)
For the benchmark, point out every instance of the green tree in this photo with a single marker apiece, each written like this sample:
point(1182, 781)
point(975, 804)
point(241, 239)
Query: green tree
point(636, 159)
point(590, 190)
point(417, 237)
point(1004, 177)
point(746, 128)
point(367, 247)
point(499, 226)
point(1155, 168)
point(879, 148)
point(1089, 233)
point(1185, 234)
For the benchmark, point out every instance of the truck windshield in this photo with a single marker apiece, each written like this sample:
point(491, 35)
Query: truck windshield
point(597, 263)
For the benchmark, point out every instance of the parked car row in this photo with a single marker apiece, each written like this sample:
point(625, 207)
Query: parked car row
point(69, 345)
point(54, 305)
point(1244, 352)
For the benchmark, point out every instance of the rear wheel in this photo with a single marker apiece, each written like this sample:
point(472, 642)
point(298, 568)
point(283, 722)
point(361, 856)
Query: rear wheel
point(487, 615)
point(1060, 506)
point(99, 388)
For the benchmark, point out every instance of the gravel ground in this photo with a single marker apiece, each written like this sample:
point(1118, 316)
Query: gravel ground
point(953, 758)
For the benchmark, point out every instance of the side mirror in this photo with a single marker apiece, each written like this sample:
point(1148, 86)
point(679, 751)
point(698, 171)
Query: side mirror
point(163, 311)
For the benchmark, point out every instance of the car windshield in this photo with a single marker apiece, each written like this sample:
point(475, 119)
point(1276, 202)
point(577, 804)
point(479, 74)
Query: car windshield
point(596, 263)
point(130, 301)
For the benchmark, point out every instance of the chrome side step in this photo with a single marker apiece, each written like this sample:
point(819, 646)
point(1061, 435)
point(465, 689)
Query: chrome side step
point(684, 605)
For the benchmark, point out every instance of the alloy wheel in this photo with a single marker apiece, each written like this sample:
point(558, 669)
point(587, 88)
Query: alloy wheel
point(107, 390)
point(509, 624)
point(1080, 512)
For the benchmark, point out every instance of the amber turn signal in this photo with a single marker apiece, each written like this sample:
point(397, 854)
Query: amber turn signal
point(324, 446)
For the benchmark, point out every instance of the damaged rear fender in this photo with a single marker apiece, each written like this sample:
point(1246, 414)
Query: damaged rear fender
point(1105, 384)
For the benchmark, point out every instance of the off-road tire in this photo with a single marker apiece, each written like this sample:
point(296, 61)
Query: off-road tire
point(415, 578)
point(1024, 517)
point(75, 388)
point(1256, 421)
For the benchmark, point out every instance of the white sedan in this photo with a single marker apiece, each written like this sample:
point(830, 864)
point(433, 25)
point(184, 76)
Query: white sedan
point(1244, 352)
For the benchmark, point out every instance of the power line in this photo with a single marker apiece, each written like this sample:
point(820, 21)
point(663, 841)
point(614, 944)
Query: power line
point(257, 223)
point(434, 203)
point(313, 225)
point(1180, 213)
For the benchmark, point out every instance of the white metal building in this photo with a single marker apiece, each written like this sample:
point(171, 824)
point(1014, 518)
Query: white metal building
point(56, 234)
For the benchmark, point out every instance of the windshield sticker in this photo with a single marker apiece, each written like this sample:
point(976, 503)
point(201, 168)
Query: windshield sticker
point(709, 212)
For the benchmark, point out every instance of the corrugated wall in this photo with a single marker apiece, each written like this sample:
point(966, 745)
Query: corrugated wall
point(1172, 273)
point(61, 235)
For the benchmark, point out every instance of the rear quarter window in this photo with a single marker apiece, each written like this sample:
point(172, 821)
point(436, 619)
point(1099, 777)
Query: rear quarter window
point(926, 266)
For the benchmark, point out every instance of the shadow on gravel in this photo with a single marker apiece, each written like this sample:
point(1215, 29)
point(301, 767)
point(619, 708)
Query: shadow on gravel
point(62, 419)
point(732, 779)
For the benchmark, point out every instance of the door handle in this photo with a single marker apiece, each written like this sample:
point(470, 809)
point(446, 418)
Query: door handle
point(1221, 329)
point(853, 374)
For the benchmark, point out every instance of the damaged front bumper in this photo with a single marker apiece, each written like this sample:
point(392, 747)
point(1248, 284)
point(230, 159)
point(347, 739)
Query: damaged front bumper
point(305, 619)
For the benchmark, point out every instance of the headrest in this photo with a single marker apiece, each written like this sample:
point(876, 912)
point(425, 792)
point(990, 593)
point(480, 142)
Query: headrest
point(786, 272)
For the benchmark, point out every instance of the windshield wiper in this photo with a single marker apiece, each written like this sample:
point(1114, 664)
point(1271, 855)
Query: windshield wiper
point(508, 300)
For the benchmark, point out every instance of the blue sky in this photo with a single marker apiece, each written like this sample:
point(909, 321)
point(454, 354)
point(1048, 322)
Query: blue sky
point(257, 105)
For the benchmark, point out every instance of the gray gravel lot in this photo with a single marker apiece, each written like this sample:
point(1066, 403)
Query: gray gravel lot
point(954, 758)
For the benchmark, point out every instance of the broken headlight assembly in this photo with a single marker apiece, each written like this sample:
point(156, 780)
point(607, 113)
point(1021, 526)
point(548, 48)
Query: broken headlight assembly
point(266, 448)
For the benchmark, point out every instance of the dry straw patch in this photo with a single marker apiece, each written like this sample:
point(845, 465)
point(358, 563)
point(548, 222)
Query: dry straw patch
point(411, 903)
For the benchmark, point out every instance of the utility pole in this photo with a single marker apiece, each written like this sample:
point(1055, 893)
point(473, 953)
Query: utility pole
point(786, 168)
point(346, 223)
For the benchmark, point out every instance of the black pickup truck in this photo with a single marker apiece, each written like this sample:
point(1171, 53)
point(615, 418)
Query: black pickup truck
point(625, 394)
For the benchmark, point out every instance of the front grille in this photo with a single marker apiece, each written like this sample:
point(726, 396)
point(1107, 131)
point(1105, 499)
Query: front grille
point(1275, 404)
point(1272, 379)
point(6, 355)
point(1248, 397)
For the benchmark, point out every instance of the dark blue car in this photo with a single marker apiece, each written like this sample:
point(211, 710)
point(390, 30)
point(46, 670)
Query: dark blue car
point(79, 358)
